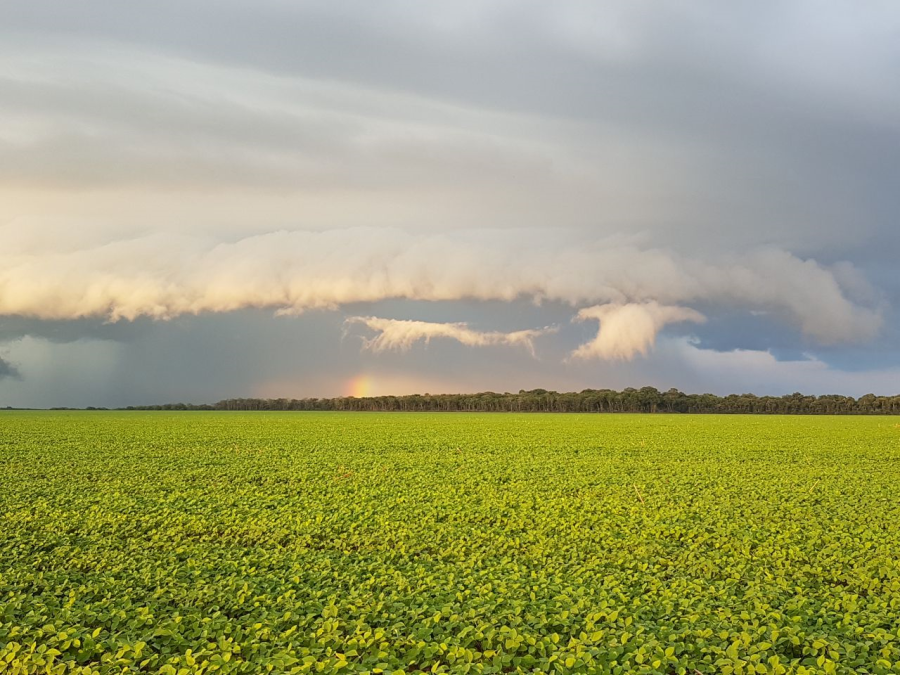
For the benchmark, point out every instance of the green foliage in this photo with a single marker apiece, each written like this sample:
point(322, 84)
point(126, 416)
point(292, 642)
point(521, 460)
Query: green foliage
point(643, 400)
point(338, 543)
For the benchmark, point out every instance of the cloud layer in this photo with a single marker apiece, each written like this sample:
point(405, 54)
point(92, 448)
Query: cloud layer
point(163, 276)
point(474, 164)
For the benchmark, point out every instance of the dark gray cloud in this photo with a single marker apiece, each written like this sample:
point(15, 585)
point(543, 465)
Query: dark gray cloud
point(16, 327)
point(760, 124)
point(8, 370)
point(252, 353)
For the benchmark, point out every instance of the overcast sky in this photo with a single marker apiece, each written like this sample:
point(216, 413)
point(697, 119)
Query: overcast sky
point(201, 200)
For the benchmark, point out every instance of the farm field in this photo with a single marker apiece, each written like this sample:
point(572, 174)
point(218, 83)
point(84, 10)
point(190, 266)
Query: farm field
point(180, 543)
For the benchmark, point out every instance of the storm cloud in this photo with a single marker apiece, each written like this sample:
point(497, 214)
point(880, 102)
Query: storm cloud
point(638, 167)
point(164, 276)
point(8, 370)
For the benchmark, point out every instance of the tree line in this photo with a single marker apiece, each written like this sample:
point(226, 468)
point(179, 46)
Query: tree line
point(630, 400)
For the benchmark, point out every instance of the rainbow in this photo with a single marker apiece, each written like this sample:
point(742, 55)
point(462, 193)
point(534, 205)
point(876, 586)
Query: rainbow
point(360, 386)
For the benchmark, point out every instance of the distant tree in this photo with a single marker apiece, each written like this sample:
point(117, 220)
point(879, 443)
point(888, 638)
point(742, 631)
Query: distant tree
point(630, 400)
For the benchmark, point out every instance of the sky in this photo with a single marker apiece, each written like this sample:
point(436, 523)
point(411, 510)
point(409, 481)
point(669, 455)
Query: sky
point(202, 200)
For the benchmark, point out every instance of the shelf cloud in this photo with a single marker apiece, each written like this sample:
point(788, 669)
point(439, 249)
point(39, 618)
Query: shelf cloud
point(163, 276)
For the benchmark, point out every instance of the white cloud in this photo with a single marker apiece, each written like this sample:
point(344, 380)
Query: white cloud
point(166, 275)
point(628, 330)
point(760, 372)
point(400, 335)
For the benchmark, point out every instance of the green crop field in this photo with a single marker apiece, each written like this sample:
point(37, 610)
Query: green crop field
point(326, 542)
